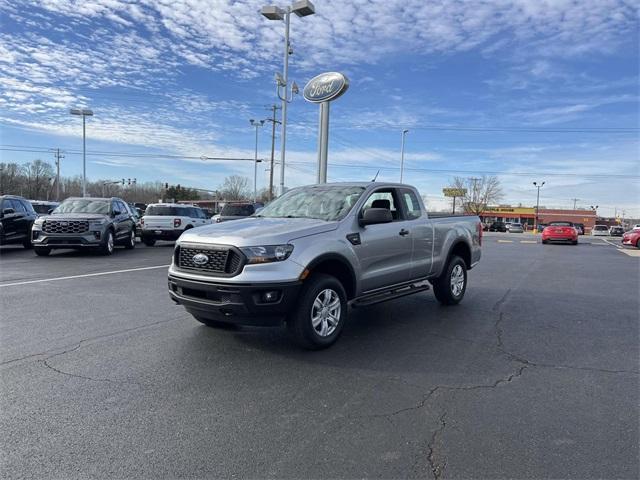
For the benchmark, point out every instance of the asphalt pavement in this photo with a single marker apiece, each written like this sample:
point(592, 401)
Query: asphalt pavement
point(534, 375)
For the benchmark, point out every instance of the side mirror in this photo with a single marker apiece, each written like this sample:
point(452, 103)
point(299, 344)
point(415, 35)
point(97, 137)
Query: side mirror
point(373, 216)
point(8, 211)
point(50, 211)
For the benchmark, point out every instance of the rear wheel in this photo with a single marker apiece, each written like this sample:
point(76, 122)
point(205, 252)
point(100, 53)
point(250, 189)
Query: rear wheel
point(320, 314)
point(575, 242)
point(638, 243)
point(545, 242)
point(449, 288)
point(42, 251)
point(149, 242)
point(131, 241)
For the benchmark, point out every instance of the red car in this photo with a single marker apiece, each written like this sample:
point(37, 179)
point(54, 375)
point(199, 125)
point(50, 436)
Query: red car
point(632, 238)
point(560, 232)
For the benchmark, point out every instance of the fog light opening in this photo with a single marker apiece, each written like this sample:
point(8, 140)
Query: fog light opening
point(270, 296)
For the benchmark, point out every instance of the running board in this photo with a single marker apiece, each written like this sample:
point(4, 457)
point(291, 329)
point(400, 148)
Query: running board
point(392, 294)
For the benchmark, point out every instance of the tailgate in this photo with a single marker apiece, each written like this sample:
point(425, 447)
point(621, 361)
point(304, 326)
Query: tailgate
point(158, 222)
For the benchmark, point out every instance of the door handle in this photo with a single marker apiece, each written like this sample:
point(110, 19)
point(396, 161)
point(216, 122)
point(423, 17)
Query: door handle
point(404, 233)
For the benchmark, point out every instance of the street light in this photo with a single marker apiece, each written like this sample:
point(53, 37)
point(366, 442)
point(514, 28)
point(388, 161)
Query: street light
point(302, 8)
point(84, 112)
point(404, 134)
point(256, 124)
point(538, 186)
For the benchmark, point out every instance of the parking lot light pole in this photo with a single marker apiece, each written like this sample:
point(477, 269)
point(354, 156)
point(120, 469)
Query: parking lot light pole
point(301, 8)
point(404, 134)
point(256, 124)
point(84, 113)
point(538, 186)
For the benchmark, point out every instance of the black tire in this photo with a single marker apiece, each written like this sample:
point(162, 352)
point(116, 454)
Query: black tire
point(108, 245)
point(544, 242)
point(638, 243)
point(319, 289)
point(215, 323)
point(131, 241)
point(42, 251)
point(446, 291)
point(149, 242)
point(574, 243)
point(27, 243)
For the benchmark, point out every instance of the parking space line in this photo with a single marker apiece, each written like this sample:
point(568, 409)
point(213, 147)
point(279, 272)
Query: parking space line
point(71, 277)
point(631, 253)
point(505, 241)
point(528, 241)
point(611, 243)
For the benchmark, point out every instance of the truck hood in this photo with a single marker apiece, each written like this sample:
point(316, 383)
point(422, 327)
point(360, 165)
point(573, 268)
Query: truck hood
point(254, 231)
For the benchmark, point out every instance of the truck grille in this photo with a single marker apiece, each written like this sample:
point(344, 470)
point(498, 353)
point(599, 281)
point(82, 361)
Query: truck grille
point(65, 226)
point(219, 260)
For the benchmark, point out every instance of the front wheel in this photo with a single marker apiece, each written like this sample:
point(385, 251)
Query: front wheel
point(27, 243)
point(107, 246)
point(320, 314)
point(449, 287)
point(42, 251)
point(131, 241)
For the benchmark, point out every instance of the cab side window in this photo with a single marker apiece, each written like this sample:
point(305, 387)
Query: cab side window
point(411, 205)
point(384, 199)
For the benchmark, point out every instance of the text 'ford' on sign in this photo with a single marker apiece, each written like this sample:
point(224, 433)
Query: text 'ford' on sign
point(325, 87)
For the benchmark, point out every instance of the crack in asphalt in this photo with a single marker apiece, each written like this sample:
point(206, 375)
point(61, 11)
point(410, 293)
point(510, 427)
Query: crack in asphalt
point(77, 344)
point(436, 468)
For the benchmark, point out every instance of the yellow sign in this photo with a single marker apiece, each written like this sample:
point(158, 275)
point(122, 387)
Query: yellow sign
point(514, 210)
point(454, 192)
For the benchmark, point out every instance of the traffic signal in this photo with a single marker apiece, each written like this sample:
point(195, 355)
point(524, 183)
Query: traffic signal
point(123, 181)
point(166, 186)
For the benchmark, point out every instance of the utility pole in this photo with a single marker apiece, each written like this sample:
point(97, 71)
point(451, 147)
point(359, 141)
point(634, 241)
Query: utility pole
point(58, 155)
point(538, 186)
point(575, 201)
point(404, 134)
point(273, 146)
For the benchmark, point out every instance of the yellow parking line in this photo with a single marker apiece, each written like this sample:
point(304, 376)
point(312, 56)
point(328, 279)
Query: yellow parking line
point(505, 241)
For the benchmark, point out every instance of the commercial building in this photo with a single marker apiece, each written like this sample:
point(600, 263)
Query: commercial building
point(526, 216)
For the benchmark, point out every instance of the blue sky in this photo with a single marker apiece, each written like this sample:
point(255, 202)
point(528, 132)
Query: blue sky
point(530, 89)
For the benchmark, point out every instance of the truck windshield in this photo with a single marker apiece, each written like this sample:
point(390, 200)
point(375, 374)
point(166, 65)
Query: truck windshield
point(83, 205)
point(324, 202)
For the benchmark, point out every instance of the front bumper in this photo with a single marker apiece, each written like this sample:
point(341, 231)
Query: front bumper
point(238, 303)
point(89, 239)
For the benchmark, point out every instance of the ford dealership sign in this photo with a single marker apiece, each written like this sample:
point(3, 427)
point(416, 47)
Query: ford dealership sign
point(325, 87)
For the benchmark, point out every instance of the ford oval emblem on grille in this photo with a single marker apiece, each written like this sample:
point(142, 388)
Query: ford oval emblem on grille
point(64, 224)
point(200, 259)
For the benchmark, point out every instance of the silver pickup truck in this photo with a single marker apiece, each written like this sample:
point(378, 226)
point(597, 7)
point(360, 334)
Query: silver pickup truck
point(316, 251)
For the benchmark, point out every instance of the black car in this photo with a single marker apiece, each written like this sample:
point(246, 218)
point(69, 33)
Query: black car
point(85, 223)
point(16, 218)
point(498, 227)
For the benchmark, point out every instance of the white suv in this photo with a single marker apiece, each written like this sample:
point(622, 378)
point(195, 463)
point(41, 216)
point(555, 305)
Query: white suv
point(167, 221)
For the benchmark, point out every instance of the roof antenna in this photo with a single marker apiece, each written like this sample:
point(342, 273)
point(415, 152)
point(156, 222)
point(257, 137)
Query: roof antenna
point(374, 178)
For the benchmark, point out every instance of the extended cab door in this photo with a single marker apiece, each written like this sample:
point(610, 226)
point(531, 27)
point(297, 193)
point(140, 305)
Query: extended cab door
point(421, 233)
point(385, 251)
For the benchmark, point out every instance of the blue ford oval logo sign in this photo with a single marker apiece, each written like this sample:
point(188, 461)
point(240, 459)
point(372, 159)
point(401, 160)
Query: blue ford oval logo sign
point(325, 87)
point(200, 259)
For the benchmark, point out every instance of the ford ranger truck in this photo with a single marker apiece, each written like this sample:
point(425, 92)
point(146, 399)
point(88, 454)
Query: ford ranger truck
point(317, 251)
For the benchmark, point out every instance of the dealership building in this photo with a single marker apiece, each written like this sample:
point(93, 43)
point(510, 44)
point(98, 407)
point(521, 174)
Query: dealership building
point(526, 216)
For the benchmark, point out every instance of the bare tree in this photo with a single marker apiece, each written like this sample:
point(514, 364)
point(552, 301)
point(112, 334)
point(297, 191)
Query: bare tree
point(11, 179)
point(480, 192)
point(38, 177)
point(235, 187)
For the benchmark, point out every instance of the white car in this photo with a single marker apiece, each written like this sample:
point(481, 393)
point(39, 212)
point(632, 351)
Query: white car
point(600, 231)
point(167, 221)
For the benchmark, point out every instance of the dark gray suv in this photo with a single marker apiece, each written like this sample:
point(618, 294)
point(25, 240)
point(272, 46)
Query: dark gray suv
point(85, 223)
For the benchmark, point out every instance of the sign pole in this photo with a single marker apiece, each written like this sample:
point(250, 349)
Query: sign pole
point(323, 142)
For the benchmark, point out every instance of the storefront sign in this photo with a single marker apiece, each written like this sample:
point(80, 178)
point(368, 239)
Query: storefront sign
point(454, 192)
point(325, 87)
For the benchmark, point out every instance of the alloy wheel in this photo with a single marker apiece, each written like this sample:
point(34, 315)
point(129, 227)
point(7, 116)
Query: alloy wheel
point(325, 312)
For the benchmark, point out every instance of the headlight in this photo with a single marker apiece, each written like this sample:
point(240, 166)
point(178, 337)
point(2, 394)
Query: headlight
point(267, 254)
point(97, 222)
point(38, 222)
